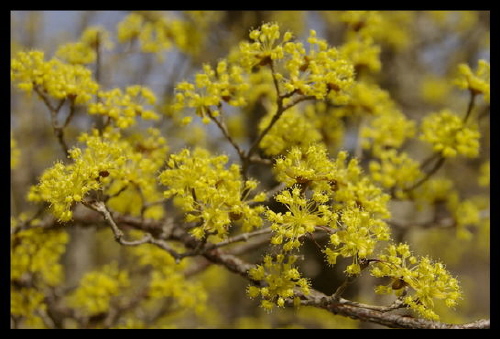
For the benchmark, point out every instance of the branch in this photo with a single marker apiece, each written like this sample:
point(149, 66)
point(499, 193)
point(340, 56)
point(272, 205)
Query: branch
point(436, 167)
point(100, 207)
point(335, 304)
point(240, 237)
point(225, 132)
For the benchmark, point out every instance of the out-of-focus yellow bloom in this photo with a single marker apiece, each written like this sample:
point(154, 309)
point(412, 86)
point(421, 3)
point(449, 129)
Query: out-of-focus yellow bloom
point(59, 80)
point(389, 130)
point(38, 252)
point(97, 288)
point(395, 170)
point(124, 108)
point(477, 82)
point(15, 153)
point(85, 50)
point(435, 90)
point(449, 136)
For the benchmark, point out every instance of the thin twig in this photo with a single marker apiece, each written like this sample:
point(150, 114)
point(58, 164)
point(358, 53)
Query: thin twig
point(470, 106)
point(238, 238)
point(436, 167)
point(100, 207)
point(225, 132)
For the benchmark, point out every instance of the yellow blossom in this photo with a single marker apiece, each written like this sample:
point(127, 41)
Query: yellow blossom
point(449, 135)
point(97, 289)
point(208, 192)
point(424, 279)
point(123, 108)
point(58, 79)
point(280, 277)
point(477, 82)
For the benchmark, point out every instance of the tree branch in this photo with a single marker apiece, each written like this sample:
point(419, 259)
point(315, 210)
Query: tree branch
point(335, 304)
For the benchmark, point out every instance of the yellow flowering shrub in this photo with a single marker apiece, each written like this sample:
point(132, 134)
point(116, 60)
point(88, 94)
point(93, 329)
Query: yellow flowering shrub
point(243, 170)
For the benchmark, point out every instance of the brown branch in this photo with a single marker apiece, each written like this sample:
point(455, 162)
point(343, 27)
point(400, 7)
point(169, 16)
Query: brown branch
point(470, 106)
point(100, 207)
point(434, 169)
point(335, 304)
point(58, 129)
point(239, 237)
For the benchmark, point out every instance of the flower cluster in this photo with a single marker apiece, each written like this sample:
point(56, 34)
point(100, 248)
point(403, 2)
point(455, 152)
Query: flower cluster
point(266, 46)
point(391, 28)
point(369, 99)
point(322, 72)
point(357, 235)
point(63, 185)
point(343, 200)
point(38, 252)
point(302, 217)
point(310, 166)
point(211, 88)
point(156, 33)
point(134, 189)
point(85, 50)
point(426, 280)
point(363, 53)
point(153, 33)
point(394, 170)
point(449, 135)
point(109, 164)
point(97, 288)
point(29, 305)
point(466, 213)
point(210, 194)
point(35, 265)
point(388, 130)
point(279, 278)
point(168, 279)
point(123, 108)
point(478, 82)
point(54, 77)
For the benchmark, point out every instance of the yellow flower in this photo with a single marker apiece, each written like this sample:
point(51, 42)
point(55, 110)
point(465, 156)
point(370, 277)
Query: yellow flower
point(209, 193)
point(97, 289)
point(425, 280)
point(58, 79)
point(478, 82)
point(281, 278)
point(123, 108)
point(39, 252)
point(302, 217)
point(449, 136)
point(394, 170)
